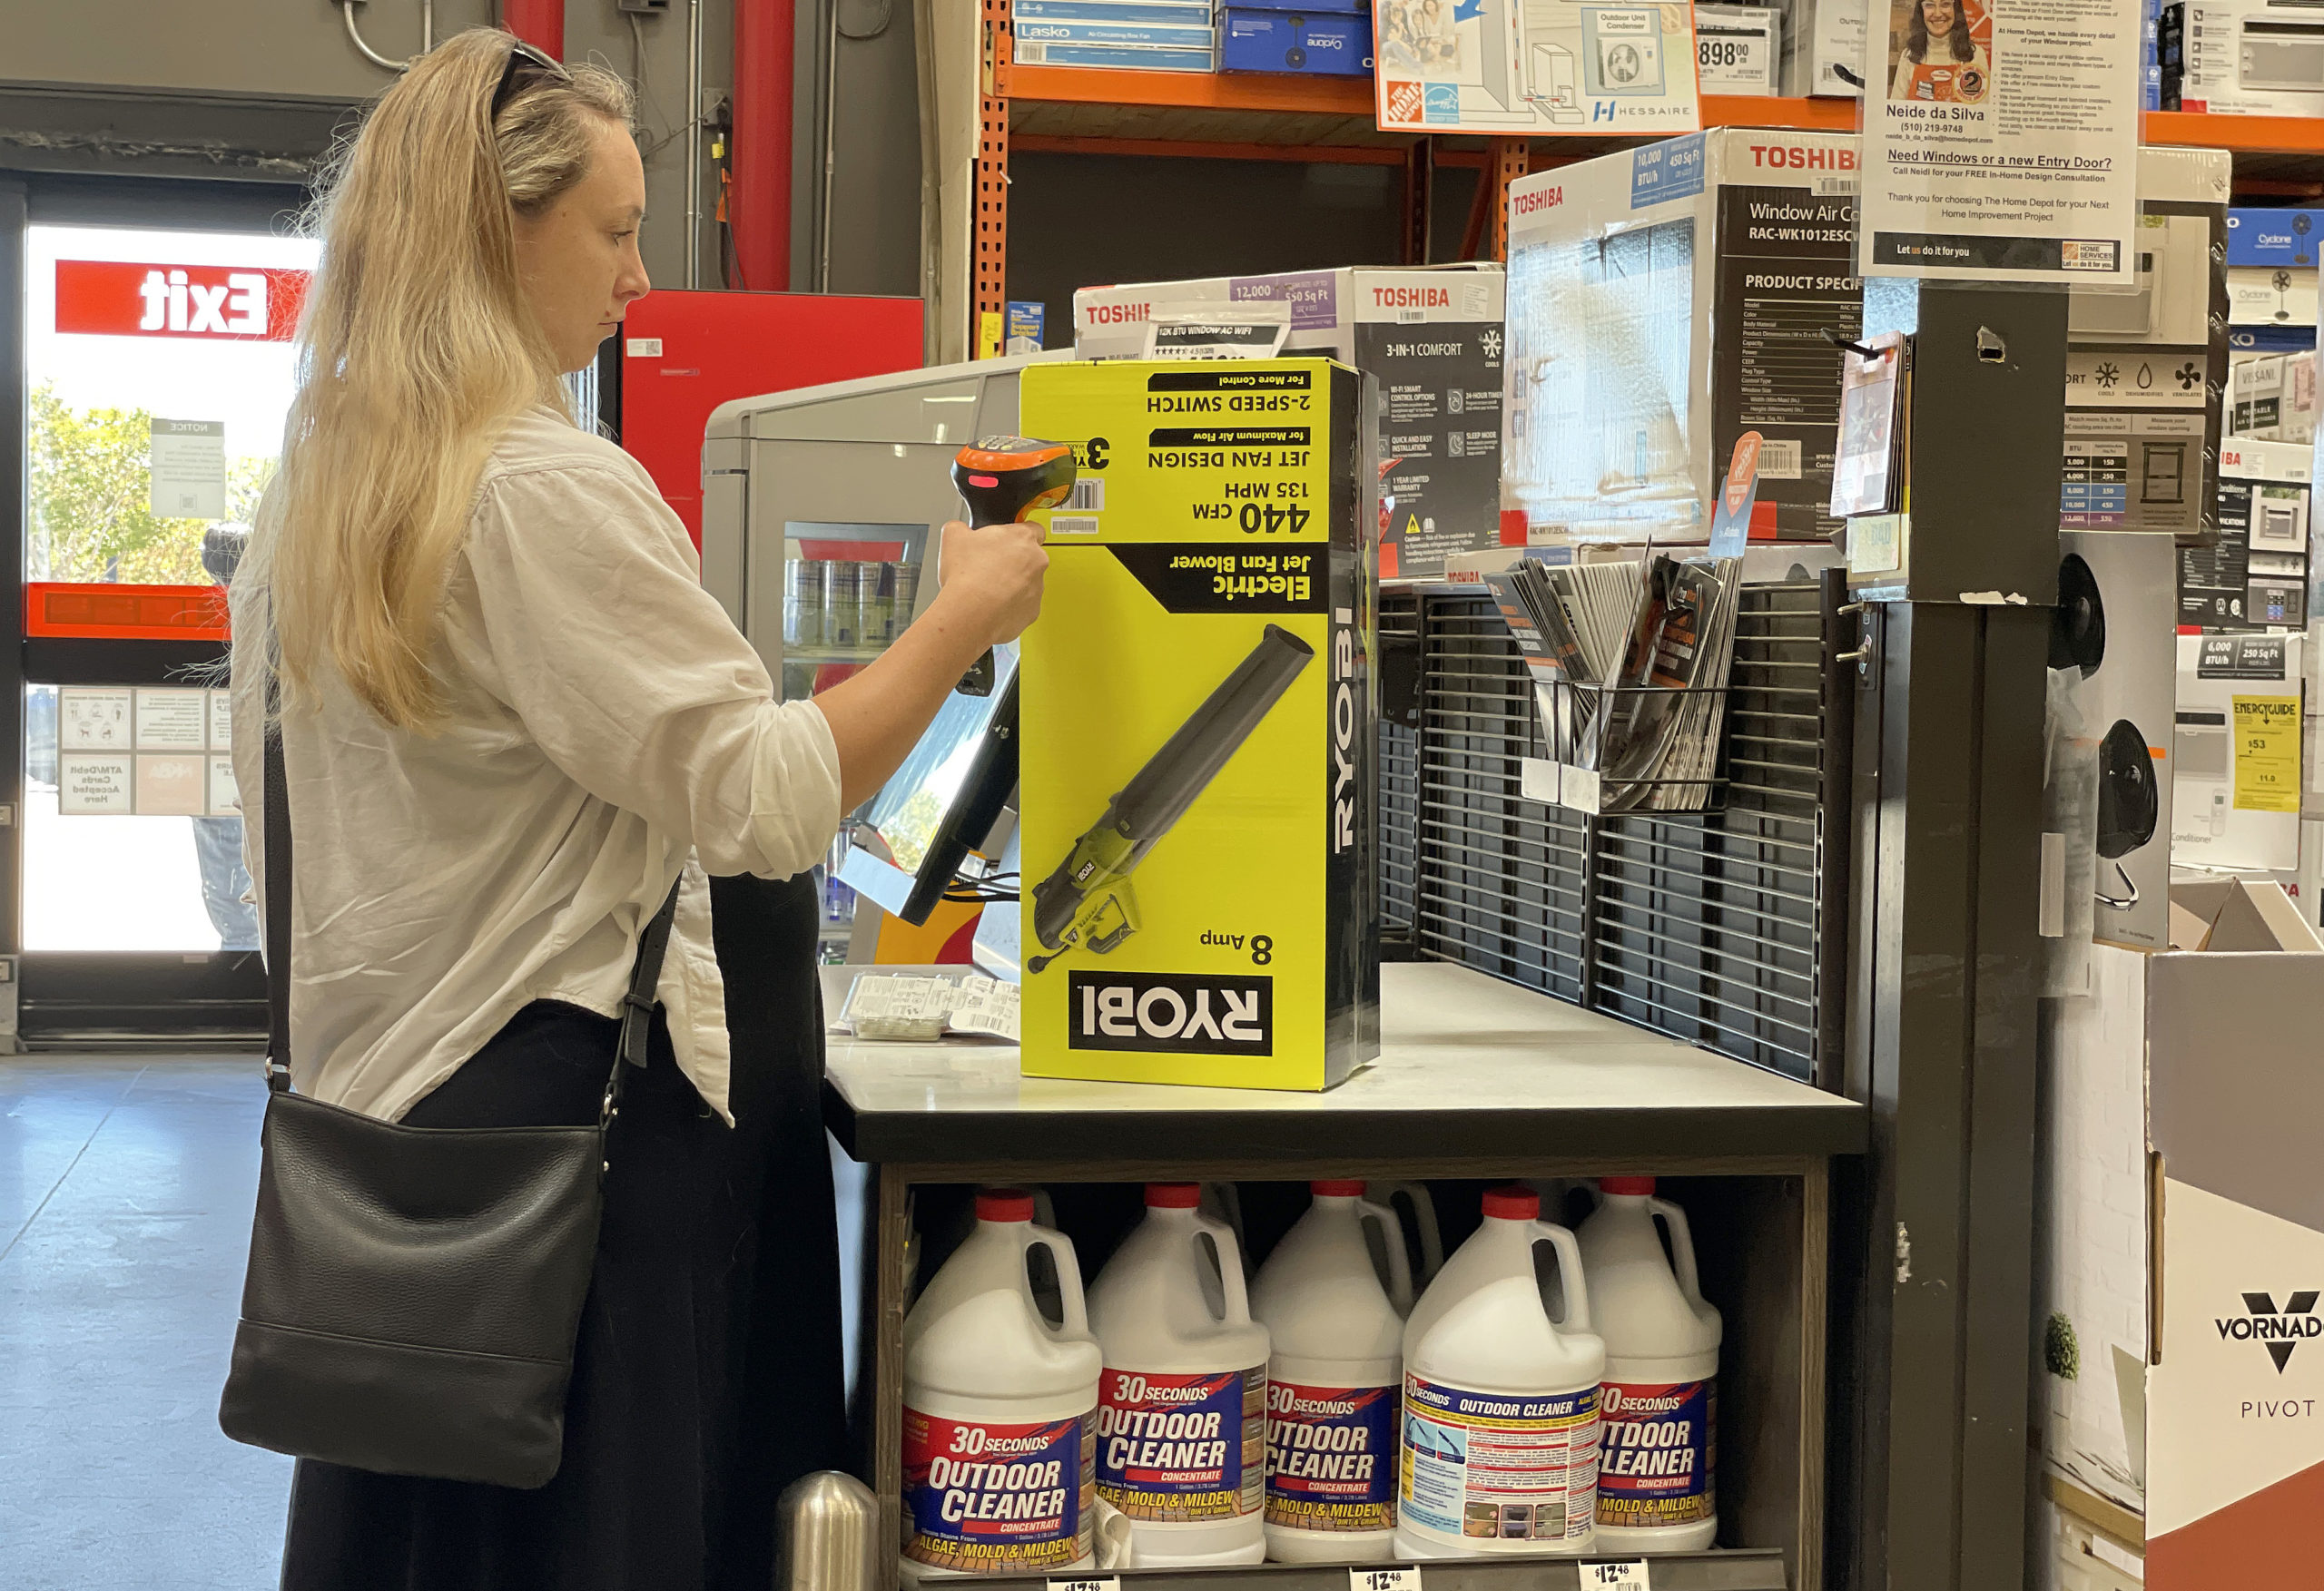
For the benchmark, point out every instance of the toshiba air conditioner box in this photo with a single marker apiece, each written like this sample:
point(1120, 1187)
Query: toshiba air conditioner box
point(1429, 337)
point(1664, 301)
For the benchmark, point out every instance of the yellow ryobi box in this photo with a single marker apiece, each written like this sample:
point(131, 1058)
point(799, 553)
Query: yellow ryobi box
point(1197, 767)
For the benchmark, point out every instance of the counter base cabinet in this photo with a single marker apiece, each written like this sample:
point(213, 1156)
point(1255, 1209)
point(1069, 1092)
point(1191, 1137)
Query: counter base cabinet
point(1761, 1228)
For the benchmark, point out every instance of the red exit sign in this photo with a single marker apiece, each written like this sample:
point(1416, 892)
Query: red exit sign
point(111, 298)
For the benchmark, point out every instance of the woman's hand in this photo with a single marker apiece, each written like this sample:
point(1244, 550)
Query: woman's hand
point(992, 578)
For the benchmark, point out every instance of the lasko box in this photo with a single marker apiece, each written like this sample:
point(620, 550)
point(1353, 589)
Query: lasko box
point(1195, 795)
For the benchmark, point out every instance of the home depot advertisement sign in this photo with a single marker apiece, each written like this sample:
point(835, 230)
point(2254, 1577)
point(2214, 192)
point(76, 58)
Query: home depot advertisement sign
point(2001, 142)
point(111, 298)
point(1515, 70)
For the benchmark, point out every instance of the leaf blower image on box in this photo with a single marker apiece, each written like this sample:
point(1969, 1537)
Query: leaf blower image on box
point(1088, 900)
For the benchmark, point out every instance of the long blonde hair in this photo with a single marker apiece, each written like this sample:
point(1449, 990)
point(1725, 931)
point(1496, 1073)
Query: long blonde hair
point(416, 346)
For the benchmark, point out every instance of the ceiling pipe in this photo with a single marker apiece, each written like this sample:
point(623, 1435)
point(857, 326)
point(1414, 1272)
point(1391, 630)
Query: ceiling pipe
point(759, 208)
point(539, 23)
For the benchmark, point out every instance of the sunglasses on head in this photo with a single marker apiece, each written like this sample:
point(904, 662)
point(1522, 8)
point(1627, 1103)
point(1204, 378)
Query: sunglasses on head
point(521, 55)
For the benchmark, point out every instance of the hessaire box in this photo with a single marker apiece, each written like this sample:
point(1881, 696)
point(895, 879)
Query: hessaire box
point(1196, 791)
point(1662, 302)
point(1432, 339)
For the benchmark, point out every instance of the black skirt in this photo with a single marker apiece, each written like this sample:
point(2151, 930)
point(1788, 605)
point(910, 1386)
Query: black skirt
point(707, 1375)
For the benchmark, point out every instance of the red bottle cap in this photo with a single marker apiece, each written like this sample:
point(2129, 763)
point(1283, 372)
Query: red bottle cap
point(1337, 1190)
point(1173, 1195)
point(1512, 1201)
point(1004, 1205)
point(1626, 1185)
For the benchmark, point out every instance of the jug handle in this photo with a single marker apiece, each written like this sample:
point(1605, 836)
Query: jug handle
point(1392, 1238)
point(1432, 1239)
point(1230, 1266)
point(1569, 1277)
point(1682, 1247)
point(1069, 1281)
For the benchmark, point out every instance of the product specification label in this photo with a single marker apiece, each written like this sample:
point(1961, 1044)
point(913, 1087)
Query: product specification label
point(1654, 1466)
point(1328, 1453)
point(1176, 1449)
point(1499, 1466)
point(982, 1498)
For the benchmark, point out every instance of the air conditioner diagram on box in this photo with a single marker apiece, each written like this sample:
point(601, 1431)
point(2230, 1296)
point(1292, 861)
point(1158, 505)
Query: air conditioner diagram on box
point(1550, 64)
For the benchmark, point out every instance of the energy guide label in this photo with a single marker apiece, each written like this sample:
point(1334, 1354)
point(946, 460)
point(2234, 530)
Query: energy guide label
point(1499, 1465)
point(996, 1499)
point(1654, 1466)
point(1328, 1449)
point(1175, 1449)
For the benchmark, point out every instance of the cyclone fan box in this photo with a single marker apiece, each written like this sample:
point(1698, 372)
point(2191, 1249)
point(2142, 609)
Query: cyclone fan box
point(1431, 337)
point(1663, 302)
point(1195, 790)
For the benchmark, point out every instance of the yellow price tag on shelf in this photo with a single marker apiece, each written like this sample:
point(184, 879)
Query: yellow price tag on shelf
point(988, 329)
point(2267, 754)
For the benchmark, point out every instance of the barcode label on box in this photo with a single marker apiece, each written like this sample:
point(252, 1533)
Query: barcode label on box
point(1032, 52)
point(1088, 496)
point(1072, 524)
point(1412, 315)
point(1780, 461)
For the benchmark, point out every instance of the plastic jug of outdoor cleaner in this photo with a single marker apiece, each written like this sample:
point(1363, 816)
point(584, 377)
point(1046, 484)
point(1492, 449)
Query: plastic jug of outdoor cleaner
point(1500, 1440)
point(1182, 1404)
point(1335, 1372)
point(1000, 1427)
point(1661, 1396)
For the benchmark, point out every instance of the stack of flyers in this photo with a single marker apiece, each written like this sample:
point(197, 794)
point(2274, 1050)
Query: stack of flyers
point(1868, 472)
point(1630, 663)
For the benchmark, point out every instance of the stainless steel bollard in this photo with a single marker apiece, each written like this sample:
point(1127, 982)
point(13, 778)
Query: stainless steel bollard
point(826, 1522)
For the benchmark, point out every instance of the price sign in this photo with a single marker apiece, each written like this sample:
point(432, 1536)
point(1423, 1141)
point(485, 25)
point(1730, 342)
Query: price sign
point(1404, 1579)
point(1104, 1582)
point(1626, 1576)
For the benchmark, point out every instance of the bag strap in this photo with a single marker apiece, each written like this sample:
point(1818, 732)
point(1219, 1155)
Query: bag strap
point(277, 819)
point(637, 1002)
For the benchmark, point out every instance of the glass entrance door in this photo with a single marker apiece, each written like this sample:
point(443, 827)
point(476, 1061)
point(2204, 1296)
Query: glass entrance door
point(157, 369)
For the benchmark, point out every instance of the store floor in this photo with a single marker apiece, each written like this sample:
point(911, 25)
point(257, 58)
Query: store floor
point(126, 1192)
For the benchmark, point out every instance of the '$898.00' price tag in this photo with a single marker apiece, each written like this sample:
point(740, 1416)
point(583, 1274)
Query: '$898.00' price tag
point(1623, 1577)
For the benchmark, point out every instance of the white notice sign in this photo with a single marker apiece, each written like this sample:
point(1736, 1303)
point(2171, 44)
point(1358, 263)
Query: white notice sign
point(92, 721)
point(2001, 145)
point(225, 799)
point(222, 721)
point(172, 786)
point(92, 785)
point(189, 469)
point(173, 721)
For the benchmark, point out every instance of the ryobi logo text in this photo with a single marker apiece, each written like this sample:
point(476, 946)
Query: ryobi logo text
point(2277, 1333)
point(1343, 731)
point(1171, 1014)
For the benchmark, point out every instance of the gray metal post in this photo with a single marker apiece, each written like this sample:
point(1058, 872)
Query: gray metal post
point(1933, 1294)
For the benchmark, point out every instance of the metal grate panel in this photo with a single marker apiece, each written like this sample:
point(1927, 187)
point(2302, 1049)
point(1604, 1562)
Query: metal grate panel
point(1399, 784)
point(1716, 928)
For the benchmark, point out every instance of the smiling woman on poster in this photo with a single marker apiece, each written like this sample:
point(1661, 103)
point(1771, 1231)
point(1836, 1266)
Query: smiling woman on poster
point(1940, 61)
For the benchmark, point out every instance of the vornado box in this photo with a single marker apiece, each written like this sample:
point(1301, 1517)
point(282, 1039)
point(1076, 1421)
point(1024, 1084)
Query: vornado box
point(1196, 800)
point(1663, 301)
point(1431, 337)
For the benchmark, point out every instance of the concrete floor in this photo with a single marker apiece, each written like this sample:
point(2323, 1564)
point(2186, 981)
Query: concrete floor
point(125, 1192)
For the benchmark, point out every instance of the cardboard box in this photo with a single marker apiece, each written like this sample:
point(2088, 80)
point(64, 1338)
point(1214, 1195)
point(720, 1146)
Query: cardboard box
point(2182, 1381)
point(1431, 337)
point(1825, 52)
point(2271, 397)
point(1329, 44)
point(1173, 13)
point(1125, 57)
point(2146, 369)
point(2255, 576)
point(1197, 36)
point(1662, 301)
point(2120, 712)
point(2251, 58)
point(2235, 795)
point(1196, 791)
point(2271, 279)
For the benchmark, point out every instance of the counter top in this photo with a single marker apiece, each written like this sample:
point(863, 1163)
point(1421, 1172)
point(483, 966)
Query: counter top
point(1471, 1070)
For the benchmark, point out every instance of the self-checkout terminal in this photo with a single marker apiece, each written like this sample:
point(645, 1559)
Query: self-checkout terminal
point(820, 511)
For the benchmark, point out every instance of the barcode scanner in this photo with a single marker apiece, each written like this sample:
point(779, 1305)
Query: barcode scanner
point(1002, 479)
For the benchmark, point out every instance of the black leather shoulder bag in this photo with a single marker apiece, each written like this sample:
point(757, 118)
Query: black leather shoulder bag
point(413, 1292)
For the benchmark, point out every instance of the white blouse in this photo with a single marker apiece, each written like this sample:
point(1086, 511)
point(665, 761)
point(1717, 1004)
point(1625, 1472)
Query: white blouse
point(607, 726)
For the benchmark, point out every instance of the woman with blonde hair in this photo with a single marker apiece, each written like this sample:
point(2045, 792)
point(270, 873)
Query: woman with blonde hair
point(510, 718)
